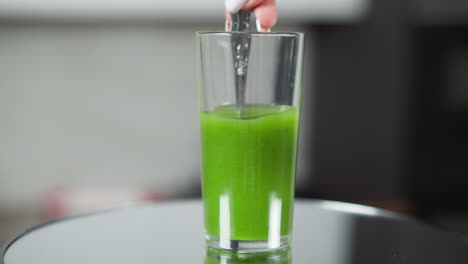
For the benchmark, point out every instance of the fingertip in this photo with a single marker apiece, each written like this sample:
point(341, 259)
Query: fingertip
point(228, 21)
point(267, 14)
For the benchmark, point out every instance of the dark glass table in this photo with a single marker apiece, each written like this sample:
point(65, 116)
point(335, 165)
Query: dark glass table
point(172, 232)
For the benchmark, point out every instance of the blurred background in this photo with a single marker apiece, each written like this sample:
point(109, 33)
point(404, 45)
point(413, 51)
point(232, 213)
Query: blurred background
point(98, 105)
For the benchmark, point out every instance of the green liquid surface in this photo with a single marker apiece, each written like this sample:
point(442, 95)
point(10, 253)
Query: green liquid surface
point(248, 170)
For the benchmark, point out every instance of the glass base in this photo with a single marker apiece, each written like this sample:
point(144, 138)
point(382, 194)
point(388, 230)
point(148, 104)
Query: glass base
point(247, 246)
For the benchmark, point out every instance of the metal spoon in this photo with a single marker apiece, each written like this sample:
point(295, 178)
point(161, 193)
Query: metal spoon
point(240, 22)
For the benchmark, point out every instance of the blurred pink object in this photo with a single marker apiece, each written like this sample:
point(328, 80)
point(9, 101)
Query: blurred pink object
point(62, 202)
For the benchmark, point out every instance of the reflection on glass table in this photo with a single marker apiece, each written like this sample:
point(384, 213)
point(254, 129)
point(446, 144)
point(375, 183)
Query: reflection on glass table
point(214, 256)
point(172, 232)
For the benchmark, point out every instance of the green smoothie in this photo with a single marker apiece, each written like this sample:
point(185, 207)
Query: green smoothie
point(248, 170)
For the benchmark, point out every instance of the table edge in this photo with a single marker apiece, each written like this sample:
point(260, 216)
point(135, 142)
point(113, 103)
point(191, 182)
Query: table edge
point(326, 204)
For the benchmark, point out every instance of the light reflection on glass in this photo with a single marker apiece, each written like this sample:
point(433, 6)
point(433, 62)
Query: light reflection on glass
point(224, 221)
point(274, 229)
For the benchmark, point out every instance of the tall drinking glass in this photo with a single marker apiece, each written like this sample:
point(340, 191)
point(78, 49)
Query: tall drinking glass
point(249, 113)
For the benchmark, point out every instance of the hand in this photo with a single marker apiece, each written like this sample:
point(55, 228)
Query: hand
point(265, 11)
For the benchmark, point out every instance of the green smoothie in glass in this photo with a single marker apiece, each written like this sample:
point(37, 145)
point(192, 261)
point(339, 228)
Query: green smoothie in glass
point(248, 170)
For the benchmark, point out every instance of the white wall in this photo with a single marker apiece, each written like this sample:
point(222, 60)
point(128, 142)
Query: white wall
point(343, 11)
point(109, 105)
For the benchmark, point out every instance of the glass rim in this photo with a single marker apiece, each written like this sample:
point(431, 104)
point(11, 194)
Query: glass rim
point(251, 33)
